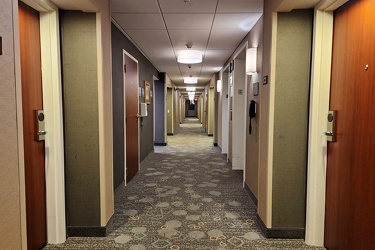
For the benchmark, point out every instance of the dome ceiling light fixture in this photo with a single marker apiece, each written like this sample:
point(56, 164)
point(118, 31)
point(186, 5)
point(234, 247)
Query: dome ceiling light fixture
point(189, 56)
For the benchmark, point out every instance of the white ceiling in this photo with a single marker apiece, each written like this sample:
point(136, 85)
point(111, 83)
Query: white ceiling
point(161, 28)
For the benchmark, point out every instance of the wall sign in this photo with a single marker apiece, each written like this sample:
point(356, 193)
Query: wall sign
point(265, 80)
point(255, 88)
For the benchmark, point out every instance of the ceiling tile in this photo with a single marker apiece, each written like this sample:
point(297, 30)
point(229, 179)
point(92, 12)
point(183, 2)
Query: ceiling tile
point(189, 21)
point(174, 74)
point(150, 39)
point(164, 62)
point(198, 38)
point(306, 4)
point(131, 21)
point(193, 70)
point(171, 70)
point(216, 58)
point(165, 54)
point(139, 6)
point(210, 70)
point(194, 6)
point(233, 6)
point(225, 39)
point(243, 21)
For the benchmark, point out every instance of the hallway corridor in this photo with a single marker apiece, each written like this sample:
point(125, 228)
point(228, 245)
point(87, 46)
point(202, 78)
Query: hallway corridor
point(184, 197)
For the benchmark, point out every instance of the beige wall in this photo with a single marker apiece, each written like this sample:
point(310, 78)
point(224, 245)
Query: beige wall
point(262, 187)
point(103, 24)
point(216, 110)
point(205, 108)
point(176, 108)
point(211, 110)
point(200, 108)
point(10, 213)
point(211, 106)
point(255, 39)
point(170, 127)
point(224, 114)
point(219, 117)
point(266, 113)
point(182, 108)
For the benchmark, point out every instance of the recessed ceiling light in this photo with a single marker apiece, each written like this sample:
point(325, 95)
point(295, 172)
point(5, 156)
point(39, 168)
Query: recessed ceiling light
point(190, 80)
point(191, 88)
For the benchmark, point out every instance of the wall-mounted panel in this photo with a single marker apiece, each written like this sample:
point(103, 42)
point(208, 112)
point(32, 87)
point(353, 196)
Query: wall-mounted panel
point(294, 37)
point(81, 118)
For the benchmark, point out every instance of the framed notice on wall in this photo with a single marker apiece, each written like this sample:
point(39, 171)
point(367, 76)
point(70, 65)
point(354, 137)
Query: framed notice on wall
point(147, 93)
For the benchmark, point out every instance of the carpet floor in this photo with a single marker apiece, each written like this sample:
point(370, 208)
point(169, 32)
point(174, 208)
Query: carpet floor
point(184, 197)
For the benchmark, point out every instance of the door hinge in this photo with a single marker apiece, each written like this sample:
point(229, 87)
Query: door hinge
point(124, 68)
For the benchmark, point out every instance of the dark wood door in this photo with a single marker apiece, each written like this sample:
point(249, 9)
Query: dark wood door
point(131, 90)
point(350, 198)
point(32, 100)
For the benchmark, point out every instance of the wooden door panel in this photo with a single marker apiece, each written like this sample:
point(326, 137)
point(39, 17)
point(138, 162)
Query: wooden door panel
point(350, 205)
point(32, 100)
point(131, 89)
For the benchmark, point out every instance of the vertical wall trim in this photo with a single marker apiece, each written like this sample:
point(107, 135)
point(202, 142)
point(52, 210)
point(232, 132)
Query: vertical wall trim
point(319, 105)
point(52, 99)
point(272, 82)
point(154, 78)
point(102, 155)
point(125, 117)
point(21, 156)
point(139, 137)
point(104, 69)
point(165, 109)
point(247, 78)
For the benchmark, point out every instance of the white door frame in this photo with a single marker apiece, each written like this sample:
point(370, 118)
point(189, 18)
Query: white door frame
point(319, 105)
point(241, 110)
point(125, 117)
point(52, 102)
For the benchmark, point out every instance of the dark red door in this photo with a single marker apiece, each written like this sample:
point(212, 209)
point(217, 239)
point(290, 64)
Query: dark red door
point(32, 100)
point(350, 200)
point(131, 90)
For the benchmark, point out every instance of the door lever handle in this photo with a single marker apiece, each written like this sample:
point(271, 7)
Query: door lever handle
point(41, 132)
point(331, 126)
point(137, 116)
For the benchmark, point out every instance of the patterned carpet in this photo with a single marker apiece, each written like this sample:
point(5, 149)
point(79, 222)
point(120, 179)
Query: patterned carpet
point(184, 197)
